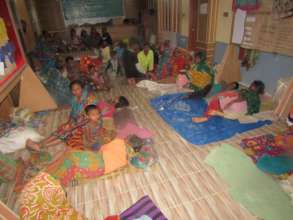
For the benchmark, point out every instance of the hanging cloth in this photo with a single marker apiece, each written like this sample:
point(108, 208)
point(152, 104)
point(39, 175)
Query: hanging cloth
point(246, 5)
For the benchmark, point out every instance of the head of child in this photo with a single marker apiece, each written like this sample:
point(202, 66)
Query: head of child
point(83, 33)
point(69, 61)
point(166, 43)
point(176, 52)
point(104, 30)
point(93, 30)
point(93, 113)
point(146, 48)
point(233, 86)
point(91, 69)
point(104, 44)
point(121, 44)
point(121, 102)
point(199, 56)
point(258, 87)
point(72, 32)
point(76, 88)
point(113, 54)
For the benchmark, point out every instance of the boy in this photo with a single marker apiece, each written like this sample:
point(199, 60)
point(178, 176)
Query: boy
point(94, 134)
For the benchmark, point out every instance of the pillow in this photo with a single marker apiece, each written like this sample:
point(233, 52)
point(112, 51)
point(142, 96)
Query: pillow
point(114, 155)
point(16, 139)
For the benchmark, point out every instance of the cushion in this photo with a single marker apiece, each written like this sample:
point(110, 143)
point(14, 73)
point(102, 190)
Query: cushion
point(114, 155)
point(16, 139)
point(44, 198)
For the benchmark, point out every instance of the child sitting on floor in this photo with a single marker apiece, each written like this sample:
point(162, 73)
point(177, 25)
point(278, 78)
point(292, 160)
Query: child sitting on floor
point(112, 68)
point(105, 52)
point(71, 69)
point(75, 43)
point(94, 134)
point(96, 78)
point(236, 103)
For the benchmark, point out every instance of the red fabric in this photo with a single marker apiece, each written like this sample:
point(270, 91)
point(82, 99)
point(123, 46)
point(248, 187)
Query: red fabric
point(85, 61)
point(214, 104)
point(107, 109)
point(241, 55)
point(19, 59)
point(178, 64)
point(113, 217)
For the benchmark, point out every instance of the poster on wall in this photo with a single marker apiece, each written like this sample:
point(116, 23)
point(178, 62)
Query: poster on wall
point(91, 11)
point(11, 55)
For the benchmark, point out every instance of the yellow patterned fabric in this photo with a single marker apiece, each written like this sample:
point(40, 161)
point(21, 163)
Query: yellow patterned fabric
point(44, 198)
point(3, 32)
point(200, 79)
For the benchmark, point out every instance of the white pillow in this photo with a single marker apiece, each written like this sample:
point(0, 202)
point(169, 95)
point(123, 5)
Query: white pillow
point(16, 139)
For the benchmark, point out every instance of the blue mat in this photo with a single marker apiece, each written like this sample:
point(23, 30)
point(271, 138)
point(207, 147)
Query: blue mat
point(178, 111)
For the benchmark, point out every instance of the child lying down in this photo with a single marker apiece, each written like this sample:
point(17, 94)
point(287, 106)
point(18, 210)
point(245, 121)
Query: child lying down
point(235, 103)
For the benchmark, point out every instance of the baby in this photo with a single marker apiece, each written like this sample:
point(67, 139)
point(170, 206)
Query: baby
point(94, 134)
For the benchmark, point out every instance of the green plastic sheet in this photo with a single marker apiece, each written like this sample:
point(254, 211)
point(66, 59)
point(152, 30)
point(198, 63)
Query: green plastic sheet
point(255, 190)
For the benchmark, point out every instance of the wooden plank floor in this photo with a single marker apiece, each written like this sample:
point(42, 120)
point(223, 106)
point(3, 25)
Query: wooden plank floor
point(181, 184)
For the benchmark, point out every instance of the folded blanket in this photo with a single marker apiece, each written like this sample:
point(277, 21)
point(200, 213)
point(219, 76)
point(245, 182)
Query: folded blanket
point(161, 88)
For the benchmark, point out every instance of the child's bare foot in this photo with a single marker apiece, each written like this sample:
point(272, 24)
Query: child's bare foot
point(199, 119)
point(33, 145)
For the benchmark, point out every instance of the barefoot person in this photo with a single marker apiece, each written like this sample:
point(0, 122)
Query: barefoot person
point(243, 102)
point(81, 99)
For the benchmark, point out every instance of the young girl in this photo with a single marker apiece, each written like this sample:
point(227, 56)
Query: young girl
point(105, 52)
point(178, 62)
point(243, 102)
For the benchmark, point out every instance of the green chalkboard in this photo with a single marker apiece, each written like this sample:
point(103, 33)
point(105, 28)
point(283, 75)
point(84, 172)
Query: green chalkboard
point(91, 9)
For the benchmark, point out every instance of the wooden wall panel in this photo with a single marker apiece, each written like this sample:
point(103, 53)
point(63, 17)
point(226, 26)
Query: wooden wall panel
point(206, 28)
point(168, 15)
point(50, 15)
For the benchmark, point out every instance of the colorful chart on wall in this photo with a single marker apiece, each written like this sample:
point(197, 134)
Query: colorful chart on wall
point(91, 11)
point(11, 56)
point(267, 31)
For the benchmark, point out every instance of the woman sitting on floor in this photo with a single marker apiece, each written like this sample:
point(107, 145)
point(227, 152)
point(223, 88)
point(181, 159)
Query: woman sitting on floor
point(129, 62)
point(81, 99)
point(239, 103)
point(201, 76)
point(164, 66)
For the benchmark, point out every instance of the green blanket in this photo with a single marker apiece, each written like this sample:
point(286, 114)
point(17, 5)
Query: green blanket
point(256, 191)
